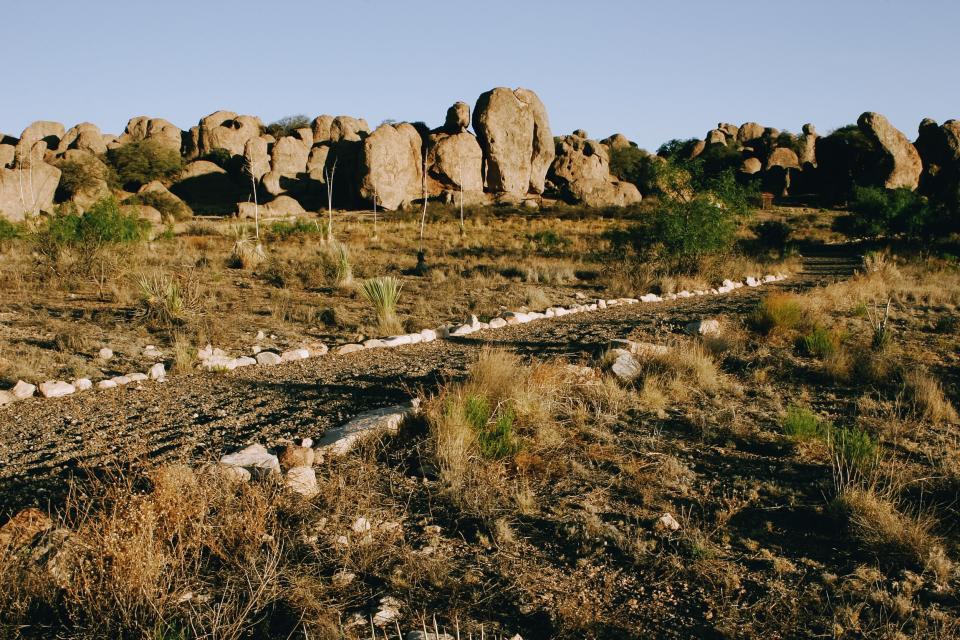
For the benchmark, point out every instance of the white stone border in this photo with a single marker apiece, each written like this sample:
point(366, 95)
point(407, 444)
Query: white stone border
point(217, 360)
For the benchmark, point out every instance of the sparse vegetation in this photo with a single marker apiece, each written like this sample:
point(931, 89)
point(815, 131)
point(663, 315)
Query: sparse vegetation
point(138, 163)
point(383, 293)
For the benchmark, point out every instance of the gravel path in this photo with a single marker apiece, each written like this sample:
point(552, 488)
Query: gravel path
point(200, 416)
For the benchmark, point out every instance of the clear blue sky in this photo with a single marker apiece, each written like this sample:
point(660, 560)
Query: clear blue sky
point(652, 70)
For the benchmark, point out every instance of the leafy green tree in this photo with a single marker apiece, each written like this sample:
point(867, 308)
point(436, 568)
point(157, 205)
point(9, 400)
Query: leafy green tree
point(138, 163)
point(288, 125)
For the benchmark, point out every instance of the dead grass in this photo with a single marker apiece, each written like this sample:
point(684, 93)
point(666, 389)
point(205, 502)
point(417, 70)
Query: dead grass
point(925, 394)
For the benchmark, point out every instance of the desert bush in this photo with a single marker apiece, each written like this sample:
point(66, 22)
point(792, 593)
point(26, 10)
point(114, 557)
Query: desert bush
point(778, 313)
point(137, 163)
point(876, 211)
point(926, 396)
point(166, 300)
point(335, 265)
point(9, 231)
point(247, 252)
point(802, 424)
point(820, 342)
point(103, 224)
point(772, 235)
point(677, 149)
point(283, 229)
point(383, 293)
point(78, 176)
point(287, 125)
point(169, 206)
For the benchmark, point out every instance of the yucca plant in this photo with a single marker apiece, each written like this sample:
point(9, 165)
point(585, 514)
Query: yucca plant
point(383, 294)
point(165, 300)
point(248, 251)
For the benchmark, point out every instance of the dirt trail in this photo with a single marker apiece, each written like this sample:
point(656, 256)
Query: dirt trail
point(200, 416)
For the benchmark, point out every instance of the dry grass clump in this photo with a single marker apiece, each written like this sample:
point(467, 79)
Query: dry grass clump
point(688, 369)
point(504, 410)
point(895, 537)
point(131, 561)
point(926, 396)
point(779, 313)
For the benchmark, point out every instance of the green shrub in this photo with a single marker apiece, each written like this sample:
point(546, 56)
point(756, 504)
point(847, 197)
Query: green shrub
point(77, 176)
point(687, 231)
point(8, 230)
point(876, 211)
point(283, 229)
point(802, 424)
point(287, 126)
point(169, 206)
point(853, 448)
point(654, 175)
point(677, 149)
point(548, 239)
point(138, 163)
point(383, 293)
point(494, 433)
point(820, 342)
point(772, 235)
point(104, 223)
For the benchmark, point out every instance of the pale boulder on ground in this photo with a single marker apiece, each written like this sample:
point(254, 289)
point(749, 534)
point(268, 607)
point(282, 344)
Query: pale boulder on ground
point(906, 165)
point(514, 132)
point(707, 327)
point(340, 440)
point(56, 389)
point(255, 459)
point(302, 480)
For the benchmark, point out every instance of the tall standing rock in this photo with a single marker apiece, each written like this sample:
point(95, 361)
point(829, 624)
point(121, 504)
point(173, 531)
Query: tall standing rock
point(454, 157)
point(391, 166)
point(939, 148)
point(159, 130)
point(288, 159)
point(808, 145)
point(84, 137)
point(902, 162)
point(514, 132)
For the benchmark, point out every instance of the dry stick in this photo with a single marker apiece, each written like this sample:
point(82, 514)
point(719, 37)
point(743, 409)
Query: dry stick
point(423, 217)
point(329, 177)
point(375, 194)
point(460, 178)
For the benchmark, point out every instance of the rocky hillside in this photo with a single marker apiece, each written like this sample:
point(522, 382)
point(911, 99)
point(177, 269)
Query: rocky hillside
point(511, 158)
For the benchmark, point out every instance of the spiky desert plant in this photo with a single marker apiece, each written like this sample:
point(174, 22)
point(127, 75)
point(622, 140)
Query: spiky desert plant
point(247, 250)
point(383, 293)
point(167, 300)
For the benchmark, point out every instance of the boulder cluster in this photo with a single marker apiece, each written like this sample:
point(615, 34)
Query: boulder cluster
point(871, 153)
point(510, 157)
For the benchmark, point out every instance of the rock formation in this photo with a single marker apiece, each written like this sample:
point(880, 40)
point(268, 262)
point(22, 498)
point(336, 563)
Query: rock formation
point(391, 166)
point(454, 157)
point(226, 130)
point(581, 173)
point(514, 133)
point(84, 137)
point(939, 149)
point(902, 162)
point(145, 128)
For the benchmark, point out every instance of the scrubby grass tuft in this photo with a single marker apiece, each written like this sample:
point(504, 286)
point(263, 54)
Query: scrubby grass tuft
point(803, 424)
point(778, 313)
point(383, 293)
point(925, 394)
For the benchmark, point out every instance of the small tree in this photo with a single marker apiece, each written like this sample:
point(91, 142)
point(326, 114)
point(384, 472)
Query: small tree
point(287, 125)
point(138, 163)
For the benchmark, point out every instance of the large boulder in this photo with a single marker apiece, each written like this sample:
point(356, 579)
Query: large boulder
point(783, 157)
point(939, 148)
point(514, 132)
point(83, 137)
point(749, 131)
point(458, 118)
point(348, 128)
point(78, 162)
point(454, 162)
point(288, 159)
point(226, 130)
point(808, 145)
point(256, 155)
point(208, 189)
point(391, 166)
point(29, 187)
point(8, 154)
point(580, 173)
point(617, 141)
point(162, 131)
point(45, 130)
point(901, 160)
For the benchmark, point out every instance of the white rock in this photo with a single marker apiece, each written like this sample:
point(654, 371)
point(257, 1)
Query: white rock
point(684, 294)
point(105, 354)
point(463, 329)
point(268, 358)
point(6, 398)
point(344, 349)
point(388, 612)
point(261, 335)
point(472, 321)
point(418, 634)
point(515, 317)
point(497, 323)
point(752, 282)
point(244, 361)
point(292, 355)
point(536, 315)
point(219, 363)
point(23, 390)
point(396, 341)
point(152, 352)
point(340, 440)
point(612, 303)
point(769, 278)
point(428, 335)
point(592, 307)
point(318, 349)
point(484, 325)
point(137, 377)
point(56, 389)
point(157, 371)
point(549, 313)
point(106, 384)
point(361, 525)
point(234, 474)
point(601, 304)
point(120, 380)
point(373, 343)
point(302, 480)
point(629, 300)
point(415, 338)
point(256, 349)
point(443, 331)
point(255, 459)
point(668, 522)
point(729, 284)
point(82, 384)
point(625, 366)
point(640, 348)
point(671, 296)
point(708, 327)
